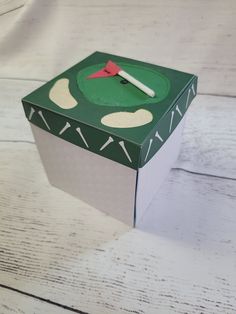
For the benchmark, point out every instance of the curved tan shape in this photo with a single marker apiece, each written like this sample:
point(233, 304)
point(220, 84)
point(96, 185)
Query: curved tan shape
point(60, 94)
point(127, 119)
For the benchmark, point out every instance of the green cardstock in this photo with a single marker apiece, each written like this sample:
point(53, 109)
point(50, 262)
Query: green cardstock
point(101, 91)
point(109, 116)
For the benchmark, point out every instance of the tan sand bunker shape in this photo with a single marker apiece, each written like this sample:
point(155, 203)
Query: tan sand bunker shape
point(61, 96)
point(125, 119)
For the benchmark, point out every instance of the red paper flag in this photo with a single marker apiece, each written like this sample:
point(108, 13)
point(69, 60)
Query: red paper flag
point(110, 69)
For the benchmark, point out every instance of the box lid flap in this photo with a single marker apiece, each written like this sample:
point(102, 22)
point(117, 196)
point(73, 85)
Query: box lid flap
point(109, 115)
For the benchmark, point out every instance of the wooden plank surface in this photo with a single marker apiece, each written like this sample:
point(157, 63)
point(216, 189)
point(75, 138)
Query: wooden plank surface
point(7, 6)
point(197, 37)
point(12, 302)
point(60, 249)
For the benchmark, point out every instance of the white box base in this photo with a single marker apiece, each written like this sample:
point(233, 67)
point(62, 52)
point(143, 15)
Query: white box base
point(115, 189)
point(152, 175)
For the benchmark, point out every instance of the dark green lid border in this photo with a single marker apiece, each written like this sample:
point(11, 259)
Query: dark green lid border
point(108, 145)
point(167, 124)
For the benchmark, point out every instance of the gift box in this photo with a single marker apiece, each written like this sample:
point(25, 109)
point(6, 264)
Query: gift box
point(109, 129)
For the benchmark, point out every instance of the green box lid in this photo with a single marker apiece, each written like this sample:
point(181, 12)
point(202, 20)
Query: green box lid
point(108, 115)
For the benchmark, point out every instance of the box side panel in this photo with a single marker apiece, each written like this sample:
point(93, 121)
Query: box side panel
point(161, 133)
point(102, 183)
point(152, 175)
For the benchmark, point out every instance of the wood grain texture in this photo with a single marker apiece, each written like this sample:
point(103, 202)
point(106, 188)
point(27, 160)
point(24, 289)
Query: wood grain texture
point(209, 144)
point(197, 37)
point(7, 6)
point(12, 302)
point(60, 249)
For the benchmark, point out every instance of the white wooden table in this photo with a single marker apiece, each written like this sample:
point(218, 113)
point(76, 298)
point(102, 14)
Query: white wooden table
point(59, 255)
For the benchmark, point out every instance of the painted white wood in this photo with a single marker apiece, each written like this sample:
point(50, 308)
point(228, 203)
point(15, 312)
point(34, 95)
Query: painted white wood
point(10, 5)
point(14, 303)
point(194, 36)
point(209, 144)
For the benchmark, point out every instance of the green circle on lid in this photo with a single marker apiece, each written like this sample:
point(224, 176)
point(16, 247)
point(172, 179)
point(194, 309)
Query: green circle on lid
point(115, 91)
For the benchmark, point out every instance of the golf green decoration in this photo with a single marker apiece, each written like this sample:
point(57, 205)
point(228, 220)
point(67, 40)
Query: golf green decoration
point(101, 91)
point(112, 69)
point(110, 116)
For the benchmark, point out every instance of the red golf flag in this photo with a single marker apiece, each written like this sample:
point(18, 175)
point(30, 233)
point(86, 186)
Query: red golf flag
point(110, 69)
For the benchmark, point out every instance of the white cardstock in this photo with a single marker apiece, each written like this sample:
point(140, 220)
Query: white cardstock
point(113, 188)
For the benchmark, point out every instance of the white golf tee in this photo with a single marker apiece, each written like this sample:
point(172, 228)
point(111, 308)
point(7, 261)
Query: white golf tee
point(137, 83)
